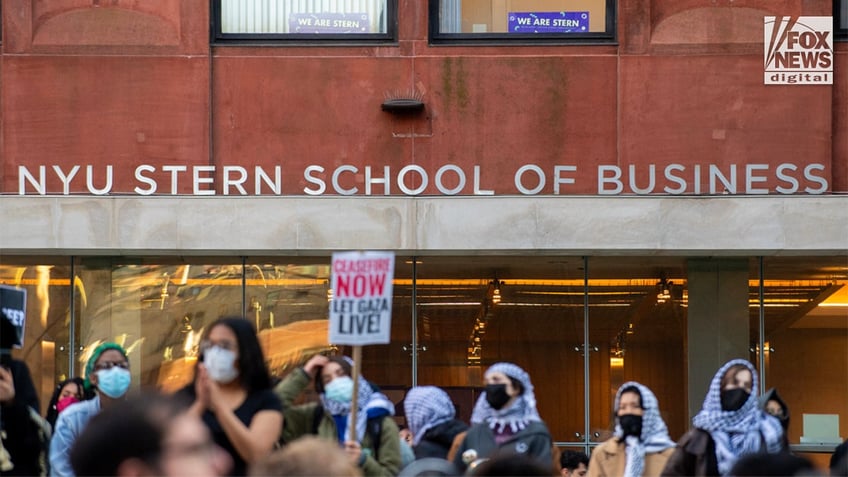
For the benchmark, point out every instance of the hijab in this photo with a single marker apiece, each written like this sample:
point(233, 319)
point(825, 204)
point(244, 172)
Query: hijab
point(740, 432)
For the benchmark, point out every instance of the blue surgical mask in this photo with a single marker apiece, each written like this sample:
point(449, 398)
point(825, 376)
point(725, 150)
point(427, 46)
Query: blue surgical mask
point(113, 382)
point(339, 389)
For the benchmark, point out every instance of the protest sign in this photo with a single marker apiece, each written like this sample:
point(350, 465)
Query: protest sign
point(361, 308)
point(13, 311)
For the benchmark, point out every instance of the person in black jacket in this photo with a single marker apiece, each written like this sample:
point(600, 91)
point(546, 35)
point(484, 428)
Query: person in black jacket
point(24, 432)
point(505, 420)
point(431, 417)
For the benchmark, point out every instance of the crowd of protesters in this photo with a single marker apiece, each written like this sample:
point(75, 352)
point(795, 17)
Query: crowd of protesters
point(230, 420)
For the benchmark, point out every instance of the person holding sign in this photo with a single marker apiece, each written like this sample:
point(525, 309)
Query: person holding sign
point(505, 420)
point(376, 448)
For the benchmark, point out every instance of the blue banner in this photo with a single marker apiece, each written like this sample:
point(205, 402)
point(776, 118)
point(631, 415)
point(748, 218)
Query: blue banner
point(548, 22)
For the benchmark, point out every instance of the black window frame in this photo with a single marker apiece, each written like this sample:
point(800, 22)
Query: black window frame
point(281, 39)
point(610, 36)
point(840, 32)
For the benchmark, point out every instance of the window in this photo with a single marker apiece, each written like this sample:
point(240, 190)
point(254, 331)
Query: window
point(840, 19)
point(522, 21)
point(304, 20)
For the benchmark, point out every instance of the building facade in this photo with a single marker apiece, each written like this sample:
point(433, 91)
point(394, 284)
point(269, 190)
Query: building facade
point(599, 191)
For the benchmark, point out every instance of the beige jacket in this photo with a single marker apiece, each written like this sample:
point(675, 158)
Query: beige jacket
point(608, 460)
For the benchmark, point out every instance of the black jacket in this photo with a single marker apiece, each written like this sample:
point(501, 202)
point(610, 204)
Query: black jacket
point(437, 440)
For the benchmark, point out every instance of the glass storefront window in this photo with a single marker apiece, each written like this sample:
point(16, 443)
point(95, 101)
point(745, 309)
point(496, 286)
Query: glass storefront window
point(477, 311)
point(156, 309)
point(638, 310)
point(654, 320)
point(806, 345)
point(47, 346)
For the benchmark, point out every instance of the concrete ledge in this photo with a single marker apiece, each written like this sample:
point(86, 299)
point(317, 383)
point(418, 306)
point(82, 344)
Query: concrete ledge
point(296, 225)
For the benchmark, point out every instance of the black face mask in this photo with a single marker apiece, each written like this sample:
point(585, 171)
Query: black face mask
point(733, 399)
point(496, 395)
point(631, 425)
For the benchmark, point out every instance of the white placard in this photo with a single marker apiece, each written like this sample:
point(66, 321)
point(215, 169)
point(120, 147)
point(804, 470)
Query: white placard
point(361, 308)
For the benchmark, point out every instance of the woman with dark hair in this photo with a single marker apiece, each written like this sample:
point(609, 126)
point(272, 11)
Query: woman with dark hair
point(376, 446)
point(231, 392)
point(67, 392)
point(729, 426)
point(641, 445)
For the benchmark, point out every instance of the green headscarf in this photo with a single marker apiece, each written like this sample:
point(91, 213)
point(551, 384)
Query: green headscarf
point(89, 366)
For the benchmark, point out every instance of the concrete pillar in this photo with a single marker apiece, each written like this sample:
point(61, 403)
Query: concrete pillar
point(718, 321)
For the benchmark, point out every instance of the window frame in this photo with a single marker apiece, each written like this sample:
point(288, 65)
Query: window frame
point(608, 37)
point(840, 32)
point(218, 37)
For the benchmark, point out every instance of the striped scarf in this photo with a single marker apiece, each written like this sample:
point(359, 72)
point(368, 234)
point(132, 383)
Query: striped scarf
point(654, 437)
point(740, 432)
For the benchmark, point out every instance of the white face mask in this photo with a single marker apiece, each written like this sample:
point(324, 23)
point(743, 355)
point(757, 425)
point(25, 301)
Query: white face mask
point(220, 363)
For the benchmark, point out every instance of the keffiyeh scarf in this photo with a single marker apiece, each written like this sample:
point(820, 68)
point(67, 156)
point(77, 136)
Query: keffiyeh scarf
point(426, 407)
point(516, 416)
point(737, 433)
point(367, 401)
point(654, 437)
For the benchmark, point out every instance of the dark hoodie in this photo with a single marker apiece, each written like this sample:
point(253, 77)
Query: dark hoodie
point(437, 440)
point(771, 395)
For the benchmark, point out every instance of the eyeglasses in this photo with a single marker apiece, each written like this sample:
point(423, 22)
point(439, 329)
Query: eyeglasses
point(227, 345)
point(111, 364)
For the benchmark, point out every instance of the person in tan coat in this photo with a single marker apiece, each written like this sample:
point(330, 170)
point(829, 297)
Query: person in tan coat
point(640, 445)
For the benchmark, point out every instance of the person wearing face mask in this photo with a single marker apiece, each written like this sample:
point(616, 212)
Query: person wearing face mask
point(376, 447)
point(67, 392)
point(231, 393)
point(730, 425)
point(640, 445)
point(505, 420)
point(107, 371)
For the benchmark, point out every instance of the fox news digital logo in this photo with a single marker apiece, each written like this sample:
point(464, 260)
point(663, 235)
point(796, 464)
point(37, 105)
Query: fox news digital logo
point(798, 50)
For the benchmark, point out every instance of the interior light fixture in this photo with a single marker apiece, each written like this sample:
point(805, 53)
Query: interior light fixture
point(496, 293)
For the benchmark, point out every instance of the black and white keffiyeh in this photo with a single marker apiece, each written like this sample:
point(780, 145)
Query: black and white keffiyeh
point(739, 432)
point(516, 416)
point(426, 407)
point(654, 437)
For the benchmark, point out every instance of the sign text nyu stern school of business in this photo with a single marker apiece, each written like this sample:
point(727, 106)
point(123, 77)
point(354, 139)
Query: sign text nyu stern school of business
point(412, 180)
